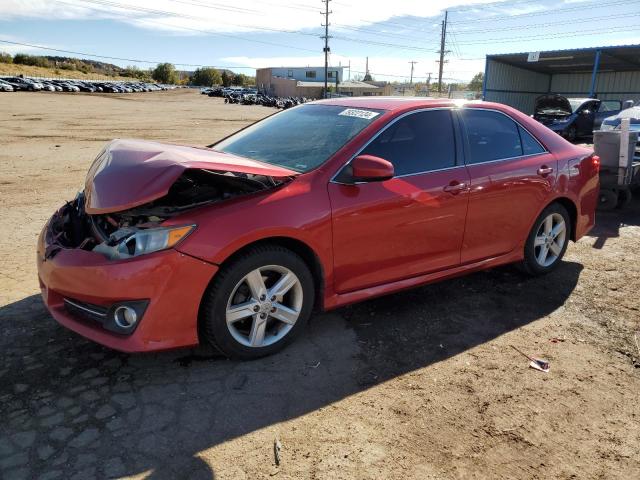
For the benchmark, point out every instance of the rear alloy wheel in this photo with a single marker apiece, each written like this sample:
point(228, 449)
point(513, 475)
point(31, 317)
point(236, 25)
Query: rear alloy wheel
point(547, 241)
point(259, 303)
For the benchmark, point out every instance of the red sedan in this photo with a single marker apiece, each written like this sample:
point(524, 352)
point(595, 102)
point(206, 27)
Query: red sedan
point(319, 206)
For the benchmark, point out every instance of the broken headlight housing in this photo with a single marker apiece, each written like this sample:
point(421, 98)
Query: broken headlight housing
point(132, 242)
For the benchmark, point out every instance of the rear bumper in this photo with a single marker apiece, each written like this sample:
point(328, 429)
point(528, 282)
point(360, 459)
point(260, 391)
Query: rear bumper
point(172, 282)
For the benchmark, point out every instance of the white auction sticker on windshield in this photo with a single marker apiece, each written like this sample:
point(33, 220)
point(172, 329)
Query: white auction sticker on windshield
point(354, 112)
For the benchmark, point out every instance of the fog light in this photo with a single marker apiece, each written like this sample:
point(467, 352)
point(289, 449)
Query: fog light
point(125, 316)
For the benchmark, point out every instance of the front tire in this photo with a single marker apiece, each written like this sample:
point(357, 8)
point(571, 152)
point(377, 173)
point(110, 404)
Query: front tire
point(548, 240)
point(258, 304)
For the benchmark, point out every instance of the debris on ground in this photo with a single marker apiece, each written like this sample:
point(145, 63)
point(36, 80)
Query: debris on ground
point(535, 363)
point(277, 446)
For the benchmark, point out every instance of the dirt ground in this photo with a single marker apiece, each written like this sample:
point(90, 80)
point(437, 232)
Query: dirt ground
point(422, 384)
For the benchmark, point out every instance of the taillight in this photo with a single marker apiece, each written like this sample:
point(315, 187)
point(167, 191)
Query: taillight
point(595, 163)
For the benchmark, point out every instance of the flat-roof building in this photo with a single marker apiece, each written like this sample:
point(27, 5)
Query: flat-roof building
point(607, 73)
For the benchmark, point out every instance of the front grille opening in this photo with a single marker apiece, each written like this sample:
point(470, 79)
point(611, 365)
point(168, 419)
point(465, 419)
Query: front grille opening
point(86, 311)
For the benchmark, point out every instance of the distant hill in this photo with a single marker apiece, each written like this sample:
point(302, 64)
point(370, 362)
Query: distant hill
point(70, 67)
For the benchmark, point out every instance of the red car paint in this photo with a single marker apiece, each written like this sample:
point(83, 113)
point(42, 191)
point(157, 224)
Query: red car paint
point(369, 239)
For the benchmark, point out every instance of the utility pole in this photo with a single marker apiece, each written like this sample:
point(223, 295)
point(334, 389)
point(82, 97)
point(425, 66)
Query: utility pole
point(411, 79)
point(428, 83)
point(326, 44)
point(349, 69)
point(443, 41)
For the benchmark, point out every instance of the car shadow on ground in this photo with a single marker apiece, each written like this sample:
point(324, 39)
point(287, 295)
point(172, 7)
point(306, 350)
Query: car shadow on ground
point(75, 409)
point(608, 224)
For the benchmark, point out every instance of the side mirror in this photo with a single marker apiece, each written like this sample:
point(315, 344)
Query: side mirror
point(585, 112)
point(368, 168)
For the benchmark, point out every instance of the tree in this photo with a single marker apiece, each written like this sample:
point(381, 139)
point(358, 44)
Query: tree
point(165, 73)
point(226, 78)
point(239, 79)
point(5, 58)
point(206, 77)
point(476, 82)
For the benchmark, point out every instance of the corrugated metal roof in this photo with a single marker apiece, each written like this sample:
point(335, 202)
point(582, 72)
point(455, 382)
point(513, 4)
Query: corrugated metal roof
point(619, 58)
point(565, 50)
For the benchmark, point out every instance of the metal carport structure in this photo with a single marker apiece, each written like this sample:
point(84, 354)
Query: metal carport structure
point(607, 73)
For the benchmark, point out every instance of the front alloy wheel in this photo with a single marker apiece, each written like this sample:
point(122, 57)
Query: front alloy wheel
point(257, 303)
point(264, 306)
point(547, 241)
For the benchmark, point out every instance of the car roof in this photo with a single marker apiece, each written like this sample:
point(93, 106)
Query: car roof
point(391, 103)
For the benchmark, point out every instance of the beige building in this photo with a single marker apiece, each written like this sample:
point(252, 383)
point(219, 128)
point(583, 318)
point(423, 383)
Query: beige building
point(309, 82)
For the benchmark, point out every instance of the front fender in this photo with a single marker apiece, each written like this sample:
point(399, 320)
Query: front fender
point(299, 211)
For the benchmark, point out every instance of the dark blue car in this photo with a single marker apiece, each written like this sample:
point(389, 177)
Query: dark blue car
point(573, 117)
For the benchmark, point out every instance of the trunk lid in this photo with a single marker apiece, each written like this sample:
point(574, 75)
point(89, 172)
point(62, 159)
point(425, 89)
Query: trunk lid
point(130, 173)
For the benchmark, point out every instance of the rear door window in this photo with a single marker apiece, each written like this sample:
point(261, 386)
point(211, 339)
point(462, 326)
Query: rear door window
point(420, 142)
point(490, 136)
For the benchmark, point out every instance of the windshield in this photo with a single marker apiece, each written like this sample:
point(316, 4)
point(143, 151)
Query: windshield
point(575, 103)
point(301, 138)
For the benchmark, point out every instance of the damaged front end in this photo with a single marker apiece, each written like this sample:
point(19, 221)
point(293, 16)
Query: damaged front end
point(139, 230)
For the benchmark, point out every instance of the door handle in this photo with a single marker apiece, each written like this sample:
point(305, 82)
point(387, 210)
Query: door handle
point(456, 187)
point(543, 171)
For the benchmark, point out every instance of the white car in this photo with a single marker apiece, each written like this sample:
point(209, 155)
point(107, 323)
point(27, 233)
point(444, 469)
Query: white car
point(5, 87)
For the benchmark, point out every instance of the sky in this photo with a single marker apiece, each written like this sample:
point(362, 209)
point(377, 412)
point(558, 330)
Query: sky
point(246, 34)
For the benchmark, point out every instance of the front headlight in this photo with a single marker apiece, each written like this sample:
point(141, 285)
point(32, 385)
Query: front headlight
point(133, 242)
point(560, 120)
point(605, 127)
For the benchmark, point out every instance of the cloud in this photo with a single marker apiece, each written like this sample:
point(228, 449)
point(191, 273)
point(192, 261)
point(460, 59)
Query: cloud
point(181, 15)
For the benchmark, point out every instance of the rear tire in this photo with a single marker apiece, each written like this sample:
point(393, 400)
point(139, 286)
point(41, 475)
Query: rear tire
point(258, 303)
point(607, 200)
point(624, 198)
point(547, 241)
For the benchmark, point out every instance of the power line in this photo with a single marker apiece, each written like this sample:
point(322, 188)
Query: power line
point(252, 27)
point(107, 57)
point(545, 12)
point(207, 32)
point(155, 62)
point(154, 11)
point(376, 32)
point(549, 24)
point(573, 33)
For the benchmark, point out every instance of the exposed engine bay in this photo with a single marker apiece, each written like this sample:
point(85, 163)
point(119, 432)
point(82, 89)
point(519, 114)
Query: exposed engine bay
point(138, 230)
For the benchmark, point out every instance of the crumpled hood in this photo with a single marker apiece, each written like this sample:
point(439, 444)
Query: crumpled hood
point(129, 173)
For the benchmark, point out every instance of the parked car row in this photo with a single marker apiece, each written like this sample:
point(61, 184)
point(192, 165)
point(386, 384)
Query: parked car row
point(11, 84)
point(247, 96)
